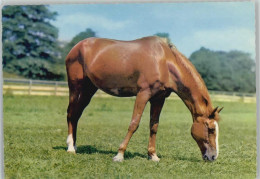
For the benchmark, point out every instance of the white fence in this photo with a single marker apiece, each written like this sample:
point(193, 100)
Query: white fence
point(35, 87)
point(60, 88)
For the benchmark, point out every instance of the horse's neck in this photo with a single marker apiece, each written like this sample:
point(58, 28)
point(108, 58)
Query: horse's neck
point(197, 103)
point(189, 86)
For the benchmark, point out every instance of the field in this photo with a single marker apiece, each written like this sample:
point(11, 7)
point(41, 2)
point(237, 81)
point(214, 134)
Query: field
point(35, 132)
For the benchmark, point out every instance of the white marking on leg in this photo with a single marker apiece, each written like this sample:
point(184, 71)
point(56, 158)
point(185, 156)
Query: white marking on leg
point(70, 141)
point(216, 140)
point(154, 158)
point(119, 157)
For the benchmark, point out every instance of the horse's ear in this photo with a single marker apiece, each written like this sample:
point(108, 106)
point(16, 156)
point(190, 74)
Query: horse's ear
point(212, 115)
point(220, 109)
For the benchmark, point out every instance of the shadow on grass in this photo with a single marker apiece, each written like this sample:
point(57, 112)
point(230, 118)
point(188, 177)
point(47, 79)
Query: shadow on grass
point(88, 149)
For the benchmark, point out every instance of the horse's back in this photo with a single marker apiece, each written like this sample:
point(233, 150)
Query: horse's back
point(120, 68)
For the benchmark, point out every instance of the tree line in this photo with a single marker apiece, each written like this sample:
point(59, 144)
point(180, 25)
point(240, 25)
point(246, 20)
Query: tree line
point(31, 49)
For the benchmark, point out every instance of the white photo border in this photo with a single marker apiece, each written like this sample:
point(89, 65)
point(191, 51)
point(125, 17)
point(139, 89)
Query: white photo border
point(46, 2)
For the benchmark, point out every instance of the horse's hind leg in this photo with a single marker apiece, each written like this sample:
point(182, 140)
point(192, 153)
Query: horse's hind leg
point(156, 107)
point(81, 92)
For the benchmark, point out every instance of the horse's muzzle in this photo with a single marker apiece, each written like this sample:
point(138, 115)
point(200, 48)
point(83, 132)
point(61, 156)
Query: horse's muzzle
point(209, 158)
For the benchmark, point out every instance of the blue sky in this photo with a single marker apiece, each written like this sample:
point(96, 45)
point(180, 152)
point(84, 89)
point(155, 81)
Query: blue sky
point(215, 25)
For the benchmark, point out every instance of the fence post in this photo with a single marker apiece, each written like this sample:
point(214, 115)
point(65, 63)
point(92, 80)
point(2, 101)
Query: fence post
point(30, 87)
point(243, 97)
point(56, 86)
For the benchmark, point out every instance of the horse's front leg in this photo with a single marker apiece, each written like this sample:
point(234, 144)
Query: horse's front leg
point(156, 107)
point(140, 102)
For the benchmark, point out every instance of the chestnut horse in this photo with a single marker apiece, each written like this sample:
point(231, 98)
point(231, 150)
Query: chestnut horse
point(148, 68)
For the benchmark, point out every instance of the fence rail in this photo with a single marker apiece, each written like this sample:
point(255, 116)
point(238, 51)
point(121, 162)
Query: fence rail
point(60, 88)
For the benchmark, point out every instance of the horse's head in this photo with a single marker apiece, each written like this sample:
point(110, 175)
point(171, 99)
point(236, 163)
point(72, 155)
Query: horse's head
point(205, 132)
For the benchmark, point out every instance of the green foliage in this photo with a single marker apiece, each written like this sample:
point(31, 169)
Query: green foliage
point(225, 71)
point(34, 69)
point(29, 35)
point(35, 141)
point(81, 36)
point(11, 75)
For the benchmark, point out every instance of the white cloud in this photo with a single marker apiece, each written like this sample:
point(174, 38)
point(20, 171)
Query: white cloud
point(224, 39)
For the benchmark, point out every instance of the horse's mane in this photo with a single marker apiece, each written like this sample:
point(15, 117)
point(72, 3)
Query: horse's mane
point(193, 74)
point(171, 45)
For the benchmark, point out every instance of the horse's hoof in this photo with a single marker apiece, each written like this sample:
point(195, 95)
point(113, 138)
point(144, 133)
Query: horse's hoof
point(71, 151)
point(153, 158)
point(118, 158)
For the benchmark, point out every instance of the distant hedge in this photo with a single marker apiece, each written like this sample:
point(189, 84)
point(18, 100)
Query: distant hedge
point(225, 71)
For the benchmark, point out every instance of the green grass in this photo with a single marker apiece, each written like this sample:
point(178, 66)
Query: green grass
point(35, 132)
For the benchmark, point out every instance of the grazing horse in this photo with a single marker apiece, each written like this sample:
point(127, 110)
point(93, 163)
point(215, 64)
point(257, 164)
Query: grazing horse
point(148, 68)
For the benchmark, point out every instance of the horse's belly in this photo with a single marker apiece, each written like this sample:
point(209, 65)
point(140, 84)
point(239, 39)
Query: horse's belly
point(117, 85)
point(121, 91)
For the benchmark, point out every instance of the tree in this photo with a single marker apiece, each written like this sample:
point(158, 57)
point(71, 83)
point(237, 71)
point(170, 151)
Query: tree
point(225, 71)
point(81, 36)
point(29, 35)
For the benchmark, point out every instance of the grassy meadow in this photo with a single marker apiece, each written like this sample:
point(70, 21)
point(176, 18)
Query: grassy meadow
point(35, 132)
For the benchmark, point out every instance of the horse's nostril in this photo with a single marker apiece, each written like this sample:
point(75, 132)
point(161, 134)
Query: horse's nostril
point(205, 157)
point(213, 157)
